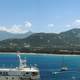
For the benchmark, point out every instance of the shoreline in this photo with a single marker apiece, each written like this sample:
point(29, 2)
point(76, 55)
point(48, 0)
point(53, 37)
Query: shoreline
point(55, 52)
point(44, 54)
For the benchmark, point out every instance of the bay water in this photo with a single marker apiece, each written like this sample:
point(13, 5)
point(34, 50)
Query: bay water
point(47, 64)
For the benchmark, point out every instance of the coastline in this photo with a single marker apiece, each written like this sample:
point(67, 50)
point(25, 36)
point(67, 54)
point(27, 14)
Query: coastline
point(59, 52)
point(44, 54)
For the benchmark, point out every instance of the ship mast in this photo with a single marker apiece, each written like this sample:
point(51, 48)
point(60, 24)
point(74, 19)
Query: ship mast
point(22, 63)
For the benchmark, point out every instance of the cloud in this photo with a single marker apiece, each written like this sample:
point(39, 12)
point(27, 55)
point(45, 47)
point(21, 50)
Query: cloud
point(50, 25)
point(17, 28)
point(74, 24)
point(68, 25)
point(28, 24)
point(77, 22)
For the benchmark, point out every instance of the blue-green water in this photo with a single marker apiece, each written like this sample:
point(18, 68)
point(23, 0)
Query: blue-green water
point(48, 64)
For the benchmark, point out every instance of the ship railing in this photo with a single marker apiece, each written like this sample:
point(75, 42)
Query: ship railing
point(34, 66)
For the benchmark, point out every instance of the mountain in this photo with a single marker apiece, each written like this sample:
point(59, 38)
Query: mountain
point(7, 35)
point(69, 40)
point(71, 36)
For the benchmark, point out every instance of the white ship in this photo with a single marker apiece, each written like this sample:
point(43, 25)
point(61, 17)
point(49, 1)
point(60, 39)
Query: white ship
point(23, 72)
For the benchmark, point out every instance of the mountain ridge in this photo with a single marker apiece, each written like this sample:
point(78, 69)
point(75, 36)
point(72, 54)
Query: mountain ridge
point(7, 35)
point(45, 42)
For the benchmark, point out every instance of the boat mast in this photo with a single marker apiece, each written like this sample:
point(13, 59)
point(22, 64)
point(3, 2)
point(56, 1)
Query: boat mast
point(64, 67)
point(22, 63)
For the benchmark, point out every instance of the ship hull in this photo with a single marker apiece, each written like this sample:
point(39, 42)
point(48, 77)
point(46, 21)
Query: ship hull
point(16, 78)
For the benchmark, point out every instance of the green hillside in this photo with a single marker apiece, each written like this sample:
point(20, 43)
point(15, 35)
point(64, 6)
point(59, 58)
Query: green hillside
point(45, 42)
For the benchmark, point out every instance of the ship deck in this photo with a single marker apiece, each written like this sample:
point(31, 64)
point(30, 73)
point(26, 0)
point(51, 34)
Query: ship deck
point(20, 69)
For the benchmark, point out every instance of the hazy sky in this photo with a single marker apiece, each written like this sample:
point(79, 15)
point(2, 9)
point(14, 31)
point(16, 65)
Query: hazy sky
point(39, 15)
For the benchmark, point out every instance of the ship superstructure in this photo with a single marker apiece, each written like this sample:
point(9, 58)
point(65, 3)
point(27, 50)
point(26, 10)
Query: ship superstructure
point(23, 72)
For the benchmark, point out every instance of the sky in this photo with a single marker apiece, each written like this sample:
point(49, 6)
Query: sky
point(50, 16)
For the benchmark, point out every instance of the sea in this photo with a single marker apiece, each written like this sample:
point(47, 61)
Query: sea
point(49, 64)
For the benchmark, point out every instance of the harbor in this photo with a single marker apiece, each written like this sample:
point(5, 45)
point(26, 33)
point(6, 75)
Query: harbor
point(50, 66)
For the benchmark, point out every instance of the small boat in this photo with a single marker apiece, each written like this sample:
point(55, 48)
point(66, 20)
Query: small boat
point(64, 67)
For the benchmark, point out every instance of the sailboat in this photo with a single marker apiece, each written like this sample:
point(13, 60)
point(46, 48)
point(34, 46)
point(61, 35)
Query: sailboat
point(64, 67)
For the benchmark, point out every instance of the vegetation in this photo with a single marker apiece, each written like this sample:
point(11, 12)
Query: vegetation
point(45, 42)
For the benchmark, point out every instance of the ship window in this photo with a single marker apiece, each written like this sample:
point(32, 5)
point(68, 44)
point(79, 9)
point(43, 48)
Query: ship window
point(27, 73)
point(5, 73)
point(6, 77)
point(12, 77)
point(0, 73)
point(34, 73)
